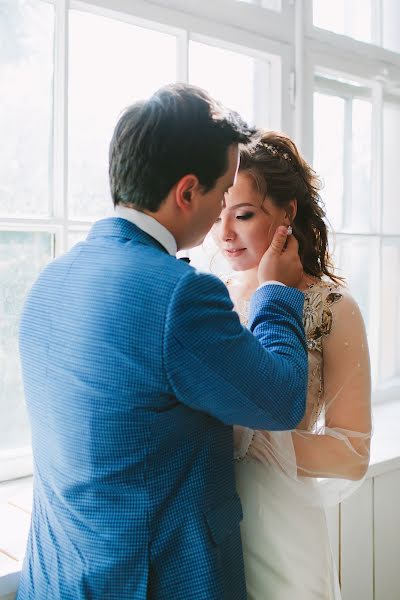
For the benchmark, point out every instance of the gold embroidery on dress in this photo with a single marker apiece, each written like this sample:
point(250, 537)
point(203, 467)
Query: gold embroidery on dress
point(318, 321)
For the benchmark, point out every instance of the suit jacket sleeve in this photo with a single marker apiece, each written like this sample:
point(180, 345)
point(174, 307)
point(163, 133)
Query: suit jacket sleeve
point(256, 378)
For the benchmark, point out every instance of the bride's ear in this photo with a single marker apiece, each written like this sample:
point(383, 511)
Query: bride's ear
point(291, 210)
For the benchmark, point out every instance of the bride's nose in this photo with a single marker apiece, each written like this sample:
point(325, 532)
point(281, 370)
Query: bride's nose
point(226, 232)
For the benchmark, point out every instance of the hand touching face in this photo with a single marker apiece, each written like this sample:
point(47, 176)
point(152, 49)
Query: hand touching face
point(247, 224)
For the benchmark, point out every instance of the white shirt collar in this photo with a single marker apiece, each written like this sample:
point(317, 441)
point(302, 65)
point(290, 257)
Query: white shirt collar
point(148, 225)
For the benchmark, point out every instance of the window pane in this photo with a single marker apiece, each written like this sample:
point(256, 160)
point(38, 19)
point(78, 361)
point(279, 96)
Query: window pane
point(390, 313)
point(26, 69)
point(231, 80)
point(328, 153)
point(76, 236)
point(348, 17)
point(391, 136)
point(357, 259)
point(103, 79)
point(342, 157)
point(391, 24)
point(22, 256)
point(358, 206)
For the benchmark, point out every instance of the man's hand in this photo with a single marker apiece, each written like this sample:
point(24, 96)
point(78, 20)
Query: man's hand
point(281, 262)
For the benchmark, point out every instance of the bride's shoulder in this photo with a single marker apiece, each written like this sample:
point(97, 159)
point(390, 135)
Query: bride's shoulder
point(326, 293)
point(339, 298)
point(326, 305)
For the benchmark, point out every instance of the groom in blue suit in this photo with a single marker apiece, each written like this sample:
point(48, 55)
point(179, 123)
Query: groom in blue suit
point(136, 368)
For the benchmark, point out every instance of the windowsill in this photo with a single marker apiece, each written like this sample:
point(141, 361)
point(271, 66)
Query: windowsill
point(385, 445)
point(16, 496)
point(15, 508)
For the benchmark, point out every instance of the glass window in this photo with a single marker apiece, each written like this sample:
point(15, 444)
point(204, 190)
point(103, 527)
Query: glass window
point(357, 259)
point(348, 17)
point(361, 19)
point(76, 236)
point(391, 137)
point(391, 24)
point(121, 64)
point(358, 208)
point(232, 79)
point(342, 157)
point(329, 114)
point(26, 70)
point(22, 257)
point(389, 356)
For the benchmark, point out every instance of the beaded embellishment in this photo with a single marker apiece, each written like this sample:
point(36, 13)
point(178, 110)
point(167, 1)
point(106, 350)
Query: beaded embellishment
point(317, 315)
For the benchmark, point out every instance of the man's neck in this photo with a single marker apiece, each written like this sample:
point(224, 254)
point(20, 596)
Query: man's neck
point(150, 224)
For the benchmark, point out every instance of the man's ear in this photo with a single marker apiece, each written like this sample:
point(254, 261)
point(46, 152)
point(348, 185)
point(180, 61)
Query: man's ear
point(185, 188)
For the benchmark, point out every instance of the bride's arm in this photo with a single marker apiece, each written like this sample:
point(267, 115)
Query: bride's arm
point(341, 448)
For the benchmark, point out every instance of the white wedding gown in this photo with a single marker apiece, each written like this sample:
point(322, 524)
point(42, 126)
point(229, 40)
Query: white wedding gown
point(286, 546)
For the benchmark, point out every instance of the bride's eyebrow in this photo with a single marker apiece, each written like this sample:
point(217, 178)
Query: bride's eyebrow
point(242, 204)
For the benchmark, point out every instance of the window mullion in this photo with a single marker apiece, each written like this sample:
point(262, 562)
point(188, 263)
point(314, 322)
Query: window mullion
point(377, 156)
point(60, 123)
point(262, 93)
point(299, 42)
point(347, 162)
point(182, 56)
point(377, 214)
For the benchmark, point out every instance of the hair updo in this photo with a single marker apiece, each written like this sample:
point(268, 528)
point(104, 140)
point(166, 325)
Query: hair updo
point(282, 174)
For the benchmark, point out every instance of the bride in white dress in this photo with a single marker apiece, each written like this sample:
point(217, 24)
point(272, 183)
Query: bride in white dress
point(287, 479)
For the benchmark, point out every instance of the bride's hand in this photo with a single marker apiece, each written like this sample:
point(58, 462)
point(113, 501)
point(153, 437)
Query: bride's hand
point(281, 262)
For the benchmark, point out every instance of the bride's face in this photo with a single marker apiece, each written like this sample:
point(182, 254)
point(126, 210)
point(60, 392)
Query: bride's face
point(246, 225)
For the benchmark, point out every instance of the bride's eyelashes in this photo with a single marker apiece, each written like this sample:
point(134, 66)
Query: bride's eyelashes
point(245, 216)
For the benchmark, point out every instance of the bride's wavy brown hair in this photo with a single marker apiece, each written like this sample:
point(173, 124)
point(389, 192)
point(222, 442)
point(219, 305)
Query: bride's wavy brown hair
point(281, 173)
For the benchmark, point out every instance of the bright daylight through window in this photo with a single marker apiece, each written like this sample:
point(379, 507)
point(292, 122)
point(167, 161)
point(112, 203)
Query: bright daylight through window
point(62, 95)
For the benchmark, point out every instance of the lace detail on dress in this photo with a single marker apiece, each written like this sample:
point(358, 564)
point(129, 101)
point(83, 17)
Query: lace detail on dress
point(317, 316)
point(318, 321)
point(243, 308)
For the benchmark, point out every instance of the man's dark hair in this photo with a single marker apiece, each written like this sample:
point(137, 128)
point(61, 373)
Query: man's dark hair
point(180, 130)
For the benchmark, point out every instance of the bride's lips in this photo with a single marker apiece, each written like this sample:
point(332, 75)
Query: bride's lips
point(234, 252)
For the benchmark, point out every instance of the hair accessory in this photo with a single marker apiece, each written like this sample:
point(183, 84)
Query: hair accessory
point(271, 149)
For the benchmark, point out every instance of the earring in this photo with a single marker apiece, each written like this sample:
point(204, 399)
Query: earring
point(289, 230)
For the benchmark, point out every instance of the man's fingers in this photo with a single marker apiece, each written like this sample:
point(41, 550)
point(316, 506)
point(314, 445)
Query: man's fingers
point(279, 239)
point(292, 244)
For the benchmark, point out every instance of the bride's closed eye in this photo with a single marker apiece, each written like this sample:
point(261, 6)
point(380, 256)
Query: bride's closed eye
point(245, 216)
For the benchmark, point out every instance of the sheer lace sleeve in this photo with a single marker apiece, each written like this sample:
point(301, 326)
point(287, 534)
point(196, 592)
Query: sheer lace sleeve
point(242, 438)
point(333, 449)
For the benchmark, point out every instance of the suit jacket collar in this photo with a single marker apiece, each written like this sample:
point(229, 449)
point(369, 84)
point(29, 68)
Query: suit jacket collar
point(121, 228)
point(149, 225)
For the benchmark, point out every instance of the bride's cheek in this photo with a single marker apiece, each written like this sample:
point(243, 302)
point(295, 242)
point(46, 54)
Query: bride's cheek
point(268, 234)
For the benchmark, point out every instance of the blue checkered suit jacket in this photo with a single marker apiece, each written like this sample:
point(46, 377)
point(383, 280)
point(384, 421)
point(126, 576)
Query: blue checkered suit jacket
point(135, 367)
